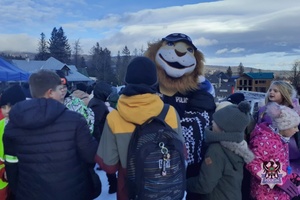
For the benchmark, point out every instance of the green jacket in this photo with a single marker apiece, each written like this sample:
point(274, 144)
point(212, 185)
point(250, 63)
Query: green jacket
point(3, 183)
point(220, 176)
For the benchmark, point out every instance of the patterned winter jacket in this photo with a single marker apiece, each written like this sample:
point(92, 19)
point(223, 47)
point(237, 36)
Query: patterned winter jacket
point(118, 128)
point(266, 146)
point(77, 105)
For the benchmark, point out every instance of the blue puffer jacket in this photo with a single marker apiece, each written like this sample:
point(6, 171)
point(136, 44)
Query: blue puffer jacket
point(53, 147)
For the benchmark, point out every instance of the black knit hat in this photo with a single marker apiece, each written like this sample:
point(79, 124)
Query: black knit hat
point(12, 95)
point(82, 87)
point(141, 70)
point(233, 118)
point(236, 98)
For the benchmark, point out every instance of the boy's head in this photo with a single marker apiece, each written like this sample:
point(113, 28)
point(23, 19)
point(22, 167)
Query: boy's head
point(141, 71)
point(10, 97)
point(284, 118)
point(46, 84)
point(233, 118)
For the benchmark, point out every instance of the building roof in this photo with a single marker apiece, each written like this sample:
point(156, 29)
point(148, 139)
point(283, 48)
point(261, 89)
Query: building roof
point(213, 78)
point(51, 64)
point(260, 75)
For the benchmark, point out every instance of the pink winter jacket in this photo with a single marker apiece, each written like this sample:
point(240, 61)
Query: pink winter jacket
point(267, 145)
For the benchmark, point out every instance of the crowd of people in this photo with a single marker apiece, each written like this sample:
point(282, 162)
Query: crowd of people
point(52, 143)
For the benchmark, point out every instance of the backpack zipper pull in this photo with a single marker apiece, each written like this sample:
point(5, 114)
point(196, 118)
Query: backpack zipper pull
point(165, 159)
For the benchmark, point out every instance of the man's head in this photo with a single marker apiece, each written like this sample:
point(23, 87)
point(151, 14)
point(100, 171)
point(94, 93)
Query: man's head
point(46, 84)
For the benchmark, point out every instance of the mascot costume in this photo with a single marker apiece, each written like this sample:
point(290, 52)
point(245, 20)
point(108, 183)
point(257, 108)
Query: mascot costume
point(180, 68)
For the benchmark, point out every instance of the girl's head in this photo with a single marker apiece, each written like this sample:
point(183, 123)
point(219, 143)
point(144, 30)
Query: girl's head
point(281, 92)
point(284, 118)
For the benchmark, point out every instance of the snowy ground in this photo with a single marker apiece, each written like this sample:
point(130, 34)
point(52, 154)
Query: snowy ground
point(104, 194)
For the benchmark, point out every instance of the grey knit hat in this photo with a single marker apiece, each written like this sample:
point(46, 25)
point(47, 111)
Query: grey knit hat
point(233, 118)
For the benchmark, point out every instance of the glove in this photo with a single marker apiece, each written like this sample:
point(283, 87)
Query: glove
point(295, 178)
point(296, 198)
point(290, 188)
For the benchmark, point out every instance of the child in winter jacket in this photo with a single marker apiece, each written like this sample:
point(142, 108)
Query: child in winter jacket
point(197, 116)
point(271, 170)
point(283, 93)
point(9, 98)
point(225, 157)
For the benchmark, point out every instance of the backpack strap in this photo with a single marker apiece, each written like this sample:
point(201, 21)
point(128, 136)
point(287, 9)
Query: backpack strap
point(163, 112)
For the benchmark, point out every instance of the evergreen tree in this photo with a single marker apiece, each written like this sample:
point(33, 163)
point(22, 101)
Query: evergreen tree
point(118, 69)
point(59, 47)
point(95, 60)
point(82, 62)
point(101, 64)
point(295, 78)
point(76, 53)
point(43, 53)
point(142, 51)
point(229, 72)
point(241, 69)
point(122, 65)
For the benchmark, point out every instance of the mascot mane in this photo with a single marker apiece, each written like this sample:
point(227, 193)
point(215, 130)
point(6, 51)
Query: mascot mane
point(184, 84)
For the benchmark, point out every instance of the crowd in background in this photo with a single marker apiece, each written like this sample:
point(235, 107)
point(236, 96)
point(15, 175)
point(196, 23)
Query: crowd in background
point(52, 134)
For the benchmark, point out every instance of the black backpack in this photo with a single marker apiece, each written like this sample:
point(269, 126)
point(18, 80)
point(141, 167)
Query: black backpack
point(155, 161)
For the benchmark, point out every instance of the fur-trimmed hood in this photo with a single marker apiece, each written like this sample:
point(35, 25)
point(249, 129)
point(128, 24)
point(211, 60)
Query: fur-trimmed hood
point(240, 149)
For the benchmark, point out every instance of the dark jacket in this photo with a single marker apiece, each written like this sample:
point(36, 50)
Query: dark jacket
point(97, 104)
point(197, 116)
point(100, 110)
point(52, 147)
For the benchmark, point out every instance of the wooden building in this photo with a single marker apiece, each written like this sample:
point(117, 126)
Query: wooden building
point(256, 82)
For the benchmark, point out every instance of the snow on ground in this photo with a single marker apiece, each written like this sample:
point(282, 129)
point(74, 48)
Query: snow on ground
point(104, 194)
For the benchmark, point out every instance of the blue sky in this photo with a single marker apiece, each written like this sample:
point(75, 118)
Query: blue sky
point(260, 34)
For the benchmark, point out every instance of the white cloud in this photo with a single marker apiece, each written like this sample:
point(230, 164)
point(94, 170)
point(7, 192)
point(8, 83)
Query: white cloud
point(221, 51)
point(225, 28)
point(18, 42)
point(237, 50)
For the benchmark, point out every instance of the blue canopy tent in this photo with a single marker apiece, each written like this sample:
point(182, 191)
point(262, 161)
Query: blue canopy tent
point(9, 72)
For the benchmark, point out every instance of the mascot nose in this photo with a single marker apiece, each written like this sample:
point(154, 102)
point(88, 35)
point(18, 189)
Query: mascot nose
point(179, 54)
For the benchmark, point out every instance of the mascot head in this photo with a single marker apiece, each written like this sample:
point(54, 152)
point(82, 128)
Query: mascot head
point(178, 62)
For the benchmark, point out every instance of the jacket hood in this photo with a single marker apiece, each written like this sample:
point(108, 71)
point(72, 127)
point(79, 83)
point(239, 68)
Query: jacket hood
point(201, 100)
point(35, 113)
point(235, 159)
point(102, 90)
point(241, 149)
point(138, 108)
point(80, 94)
